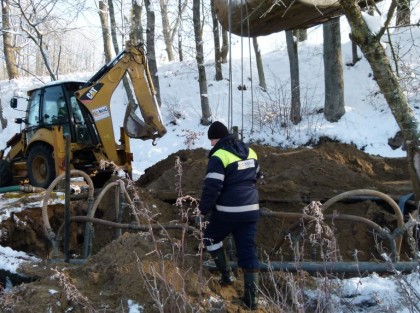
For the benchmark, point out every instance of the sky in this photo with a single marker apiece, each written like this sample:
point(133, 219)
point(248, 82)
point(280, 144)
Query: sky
point(368, 123)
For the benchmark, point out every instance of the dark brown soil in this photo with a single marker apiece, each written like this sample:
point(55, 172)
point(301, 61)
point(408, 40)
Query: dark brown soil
point(128, 267)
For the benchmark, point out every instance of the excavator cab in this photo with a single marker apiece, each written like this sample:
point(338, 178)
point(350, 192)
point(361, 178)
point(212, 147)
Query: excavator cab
point(55, 105)
point(38, 151)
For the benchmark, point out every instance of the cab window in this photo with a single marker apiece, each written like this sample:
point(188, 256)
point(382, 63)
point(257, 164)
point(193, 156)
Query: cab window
point(33, 109)
point(54, 108)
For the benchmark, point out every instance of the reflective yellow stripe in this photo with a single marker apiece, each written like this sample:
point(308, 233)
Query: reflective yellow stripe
point(228, 157)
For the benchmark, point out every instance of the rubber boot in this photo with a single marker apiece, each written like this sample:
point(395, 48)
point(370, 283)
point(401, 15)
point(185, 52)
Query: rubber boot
point(251, 281)
point(219, 257)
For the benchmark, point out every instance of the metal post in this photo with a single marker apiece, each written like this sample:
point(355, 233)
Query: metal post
point(67, 202)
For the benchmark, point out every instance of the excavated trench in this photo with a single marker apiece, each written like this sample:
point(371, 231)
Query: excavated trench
point(293, 179)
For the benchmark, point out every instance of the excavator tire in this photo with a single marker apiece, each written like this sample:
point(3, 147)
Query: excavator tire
point(40, 165)
point(6, 177)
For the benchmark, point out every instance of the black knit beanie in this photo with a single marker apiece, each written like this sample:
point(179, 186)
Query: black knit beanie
point(217, 130)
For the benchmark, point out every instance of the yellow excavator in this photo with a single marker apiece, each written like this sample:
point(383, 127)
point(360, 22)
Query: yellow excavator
point(81, 111)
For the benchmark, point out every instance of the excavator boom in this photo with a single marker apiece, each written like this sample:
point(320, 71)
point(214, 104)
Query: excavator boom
point(97, 92)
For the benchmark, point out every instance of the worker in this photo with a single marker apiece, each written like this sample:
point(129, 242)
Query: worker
point(62, 115)
point(230, 196)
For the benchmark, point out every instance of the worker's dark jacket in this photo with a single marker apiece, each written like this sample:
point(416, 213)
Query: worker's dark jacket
point(229, 186)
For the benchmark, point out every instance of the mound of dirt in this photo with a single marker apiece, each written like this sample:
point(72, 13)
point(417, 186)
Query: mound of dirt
point(293, 175)
point(165, 266)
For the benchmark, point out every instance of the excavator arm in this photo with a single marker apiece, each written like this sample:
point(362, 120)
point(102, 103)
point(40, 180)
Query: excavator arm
point(97, 92)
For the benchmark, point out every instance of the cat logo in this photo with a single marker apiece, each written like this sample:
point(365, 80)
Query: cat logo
point(91, 93)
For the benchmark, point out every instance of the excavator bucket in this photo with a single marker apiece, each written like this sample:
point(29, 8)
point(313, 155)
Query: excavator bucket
point(135, 127)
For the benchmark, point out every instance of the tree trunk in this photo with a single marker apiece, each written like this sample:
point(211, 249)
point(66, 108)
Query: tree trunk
point(260, 67)
point(126, 83)
point(202, 80)
point(9, 55)
point(150, 43)
point(113, 26)
point(225, 46)
point(333, 72)
point(136, 31)
point(166, 30)
point(354, 54)
point(180, 49)
point(295, 116)
point(389, 86)
point(403, 13)
point(3, 121)
point(301, 34)
point(103, 15)
point(216, 38)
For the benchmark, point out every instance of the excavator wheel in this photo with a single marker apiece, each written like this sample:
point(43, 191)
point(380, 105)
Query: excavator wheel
point(6, 177)
point(40, 165)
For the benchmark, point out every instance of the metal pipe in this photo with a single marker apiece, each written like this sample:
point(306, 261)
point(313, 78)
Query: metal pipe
point(132, 226)
point(332, 267)
point(120, 205)
point(67, 202)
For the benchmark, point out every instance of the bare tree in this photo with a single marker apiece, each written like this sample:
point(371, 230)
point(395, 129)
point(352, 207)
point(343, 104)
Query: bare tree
point(169, 31)
point(225, 46)
point(150, 42)
point(44, 22)
point(354, 54)
point(34, 17)
point(106, 35)
point(295, 116)
point(113, 26)
point(403, 13)
point(3, 120)
point(371, 46)
point(181, 19)
point(136, 29)
point(202, 79)
point(9, 50)
point(301, 34)
point(333, 72)
point(260, 66)
point(216, 39)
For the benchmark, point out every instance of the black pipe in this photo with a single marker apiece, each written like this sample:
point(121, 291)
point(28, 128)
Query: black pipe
point(67, 202)
point(332, 267)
